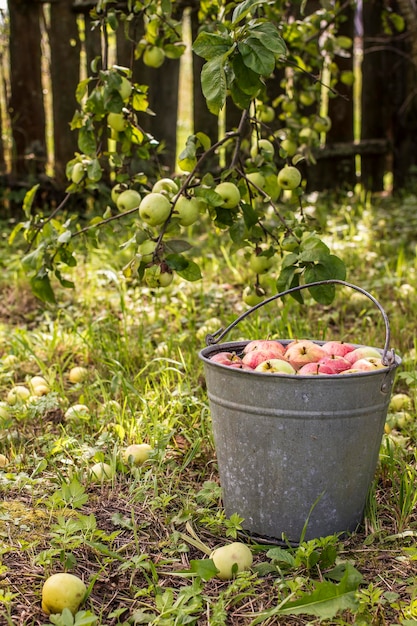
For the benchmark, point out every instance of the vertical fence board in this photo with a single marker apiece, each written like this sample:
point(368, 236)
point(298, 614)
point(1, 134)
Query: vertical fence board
point(26, 101)
point(65, 73)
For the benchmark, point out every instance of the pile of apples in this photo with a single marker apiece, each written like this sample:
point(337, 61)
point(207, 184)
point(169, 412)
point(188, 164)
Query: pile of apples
point(302, 357)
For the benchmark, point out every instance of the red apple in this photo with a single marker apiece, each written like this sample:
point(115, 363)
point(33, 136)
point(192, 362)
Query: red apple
point(304, 351)
point(275, 366)
point(226, 358)
point(337, 348)
point(254, 357)
point(362, 352)
point(315, 368)
point(336, 363)
point(264, 344)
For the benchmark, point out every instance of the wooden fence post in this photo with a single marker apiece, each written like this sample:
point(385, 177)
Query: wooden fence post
point(26, 101)
point(65, 48)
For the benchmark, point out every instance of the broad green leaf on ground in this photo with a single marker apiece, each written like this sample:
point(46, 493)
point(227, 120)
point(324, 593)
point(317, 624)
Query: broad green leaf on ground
point(328, 598)
point(204, 568)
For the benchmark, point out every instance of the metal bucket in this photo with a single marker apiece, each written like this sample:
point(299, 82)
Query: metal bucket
point(296, 454)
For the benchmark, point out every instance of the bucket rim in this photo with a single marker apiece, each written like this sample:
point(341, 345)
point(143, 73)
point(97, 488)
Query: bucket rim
point(229, 345)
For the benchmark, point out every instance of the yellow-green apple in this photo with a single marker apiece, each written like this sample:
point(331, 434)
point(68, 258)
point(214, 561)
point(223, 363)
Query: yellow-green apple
point(289, 146)
point(315, 369)
point(153, 56)
point(230, 559)
point(265, 344)
point(322, 124)
point(146, 251)
point(337, 348)
point(363, 352)
point(275, 366)
point(266, 113)
point(117, 121)
point(256, 179)
point(77, 374)
point(308, 135)
point(252, 295)
point(187, 210)
point(77, 411)
point(165, 185)
point(289, 177)
point(4, 461)
point(369, 363)
point(137, 453)
point(400, 402)
point(101, 471)
point(157, 277)
point(229, 193)
point(78, 173)
point(125, 88)
point(128, 200)
point(18, 393)
point(303, 351)
point(62, 591)
point(307, 98)
point(260, 263)
point(117, 190)
point(155, 208)
point(263, 147)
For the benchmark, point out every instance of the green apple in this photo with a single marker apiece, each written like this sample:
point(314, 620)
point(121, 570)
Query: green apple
point(128, 200)
point(400, 402)
point(62, 591)
point(289, 106)
point(101, 471)
point(271, 187)
point(153, 56)
point(289, 146)
point(165, 185)
point(230, 559)
point(116, 121)
point(18, 393)
point(117, 190)
point(260, 264)
point(307, 98)
point(4, 411)
point(155, 208)
point(9, 361)
point(275, 366)
point(187, 210)
point(289, 177)
point(308, 135)
point(252, 295)
point(77, 412)
point(146, 251)
point(266, 114)
point(155, 277)
point(229, 193)
point(78, 173)
point(137, 453)
point(322, 124)
point(263, 147)
point(257, 179)
point(125, 88)
point(77, 374)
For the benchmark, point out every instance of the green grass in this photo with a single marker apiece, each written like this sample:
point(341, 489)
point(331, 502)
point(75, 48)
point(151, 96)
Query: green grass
point(140, 540)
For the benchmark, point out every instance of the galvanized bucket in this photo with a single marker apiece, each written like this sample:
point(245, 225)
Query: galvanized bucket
point(296, 454)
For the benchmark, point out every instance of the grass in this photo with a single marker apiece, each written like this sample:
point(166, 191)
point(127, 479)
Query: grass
point(140, 539)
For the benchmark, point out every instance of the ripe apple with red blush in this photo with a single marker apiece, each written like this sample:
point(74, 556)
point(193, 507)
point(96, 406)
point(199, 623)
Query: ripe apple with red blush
point(303, 351)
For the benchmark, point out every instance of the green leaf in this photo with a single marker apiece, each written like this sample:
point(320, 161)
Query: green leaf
point(28, 200)
point(214, 85)
point(247, 80)
point(256, 56)
point(87, 141)
point(81, 90)
point(192, 272)
point(328, 598)
point(331, 267)
point(270, 38)
point(243, 8)
point(41, 287)
point(281, 555)
point(204, 568)
point(211, 45)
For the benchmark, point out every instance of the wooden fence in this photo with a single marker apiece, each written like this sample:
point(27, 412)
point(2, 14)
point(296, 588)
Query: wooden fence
point(46, 51)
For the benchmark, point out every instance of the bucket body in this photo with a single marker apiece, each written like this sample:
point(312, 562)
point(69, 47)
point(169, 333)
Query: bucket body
point(296, 454)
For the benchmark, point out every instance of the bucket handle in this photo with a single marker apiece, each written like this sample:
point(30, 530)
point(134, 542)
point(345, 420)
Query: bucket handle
point(388, 356)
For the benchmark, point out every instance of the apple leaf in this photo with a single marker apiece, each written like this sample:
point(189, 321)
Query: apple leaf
point(204, 568)
point(192, 272)
point(247, 80)
point(211, 45)
point(28, 200)
point(87, 141)
point(270, 37)
point(243, 8)
point(214, 85)
point(41, 287)
point(256, 56)
point(328, 598)
point(331, 267)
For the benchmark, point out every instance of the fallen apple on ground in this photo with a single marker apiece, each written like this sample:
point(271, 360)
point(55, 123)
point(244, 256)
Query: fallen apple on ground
point(231, 559)
point(137, 453)
point(62, 591)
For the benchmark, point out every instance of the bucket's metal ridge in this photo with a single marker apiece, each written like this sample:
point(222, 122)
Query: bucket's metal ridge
point(297, 454)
